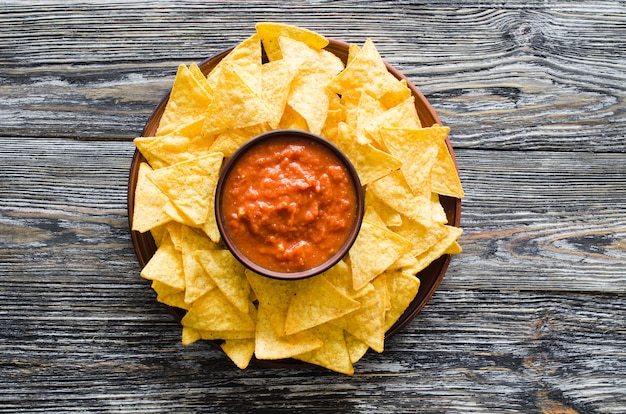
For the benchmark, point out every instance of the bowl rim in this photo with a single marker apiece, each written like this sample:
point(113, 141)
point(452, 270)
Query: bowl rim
point(231, 163)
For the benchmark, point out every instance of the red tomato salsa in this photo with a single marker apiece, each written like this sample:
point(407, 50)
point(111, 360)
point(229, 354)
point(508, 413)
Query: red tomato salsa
point(289, 204)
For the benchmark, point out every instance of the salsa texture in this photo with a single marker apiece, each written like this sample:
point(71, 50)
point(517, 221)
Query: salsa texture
point(289, 204)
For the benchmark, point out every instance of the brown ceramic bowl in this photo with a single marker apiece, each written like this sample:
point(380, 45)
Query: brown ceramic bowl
point(430, 277)
point(286, 136)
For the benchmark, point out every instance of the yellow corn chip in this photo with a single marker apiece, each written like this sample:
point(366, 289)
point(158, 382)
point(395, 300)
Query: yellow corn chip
point(197, 281)
point(403, 288)
point(367, 71)
point(245, 61)
point(316, 301)
point(388, 245)
point(270, 32)
point(240, 351)
point(149, 201)
point(395, 192)
point(368, 322)
point(190, 185)
point(214, 312)
point(228, 274)
point(270, 345)
point(187, 102)
point(333, 354)
point(369, 162)
point(234, 105)
point(417, 149)
point(166, 266)
point(445, 178)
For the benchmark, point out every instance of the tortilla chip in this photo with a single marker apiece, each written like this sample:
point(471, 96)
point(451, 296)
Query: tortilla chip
point(388, 245)
point(333, 354)
point(228, 274)
point(187, 102)
point(190, 185)
point(270, 345)
point(239, 351)
point(316, 301)
point(166, 266)
point(370, 163)
point(149, 201)
point(271, 32)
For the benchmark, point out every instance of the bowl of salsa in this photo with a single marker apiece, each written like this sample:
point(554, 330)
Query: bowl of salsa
point(289, 204)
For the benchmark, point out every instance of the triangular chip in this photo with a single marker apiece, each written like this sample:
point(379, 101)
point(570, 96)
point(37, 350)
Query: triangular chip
point(246, 61)
point(214, 312)
point(403, 288)
point(234, 105)
point(229, 141)
point(169, 295)
point(197, 281)
point(270, 345)
point(228, 274)
point(270, 32)
point(374, 250)
point(239, 351)
point(166, 266)
point(188, 100)
point(277, 77)
point(274, 295)
point(308, 95)
point(396, 193)
point(370, 163)
point(316, 301)
point(368, 322)
point(437, 250)
point(444, 176)
point(333, 354)
point(367, 71)
point(149, 201)
point(190, 185)
point(403, 115)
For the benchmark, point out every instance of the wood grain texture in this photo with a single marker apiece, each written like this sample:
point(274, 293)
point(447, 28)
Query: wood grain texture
point(531, 317)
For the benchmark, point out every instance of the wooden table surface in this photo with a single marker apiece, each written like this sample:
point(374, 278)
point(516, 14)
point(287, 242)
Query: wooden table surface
point(531, 317)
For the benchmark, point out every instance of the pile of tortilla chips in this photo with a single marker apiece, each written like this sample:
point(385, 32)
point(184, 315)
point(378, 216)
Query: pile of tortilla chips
point(331, 319)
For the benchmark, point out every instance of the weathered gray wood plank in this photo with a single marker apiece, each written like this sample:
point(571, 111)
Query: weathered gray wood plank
point(508, 77)
point(532, 220)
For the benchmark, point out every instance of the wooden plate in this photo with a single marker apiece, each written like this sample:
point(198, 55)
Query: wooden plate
point(430, 277)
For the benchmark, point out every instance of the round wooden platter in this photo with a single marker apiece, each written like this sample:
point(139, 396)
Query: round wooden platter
point(430, 277)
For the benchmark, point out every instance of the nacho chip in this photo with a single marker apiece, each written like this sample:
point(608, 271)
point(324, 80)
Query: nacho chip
point(388, 245)
point(213, 311)
point(187, 102)
point(333, 354)
point(228, 274)
point(190, 185)
point(149, 201)
point(445, 177)
point(316, 301)
point(166, 266)
point(274, 295)
point(235, 105)
point(271, 32)
point(197, 280)
point(369, 162)
point(417, 149)
point(367, 323)
point(244, 60)
point(396, 193)
point(240, 351)
point(403, 288)
point(368, 71)
point(308, 95)
point(229, 141)
point(270, 345)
